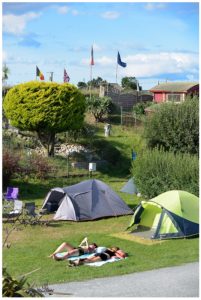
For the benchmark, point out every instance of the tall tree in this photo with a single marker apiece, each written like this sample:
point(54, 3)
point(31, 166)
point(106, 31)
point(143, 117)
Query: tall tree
point(5, 73)
point(46, 108)
point(81, 85)
point(96, 82)
point(98, 106)
point(129, 83)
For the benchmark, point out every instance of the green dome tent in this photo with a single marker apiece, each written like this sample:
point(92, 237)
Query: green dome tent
point(171, 214)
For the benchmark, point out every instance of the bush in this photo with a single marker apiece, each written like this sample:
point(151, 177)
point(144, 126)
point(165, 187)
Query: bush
point(35, 166)
point(13, 287)
point(139, 108)
point(16, 165)
point(10, 165)
point(175, 127)
point(156, 171)
point(98, 106)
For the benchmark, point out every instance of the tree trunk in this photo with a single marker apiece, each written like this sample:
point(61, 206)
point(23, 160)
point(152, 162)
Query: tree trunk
point(51, 145)
point(47, 140)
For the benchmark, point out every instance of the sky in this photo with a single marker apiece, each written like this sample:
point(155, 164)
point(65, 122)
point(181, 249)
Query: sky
point(159, 41)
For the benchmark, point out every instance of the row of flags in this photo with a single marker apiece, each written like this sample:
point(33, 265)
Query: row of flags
point(119, 61)
point(66, 77)
point(39, 74)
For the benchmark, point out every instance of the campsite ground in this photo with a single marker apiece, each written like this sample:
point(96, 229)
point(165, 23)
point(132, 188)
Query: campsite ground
point(30, 245)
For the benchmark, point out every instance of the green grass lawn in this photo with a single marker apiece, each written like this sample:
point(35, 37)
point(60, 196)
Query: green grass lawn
point(31, 245)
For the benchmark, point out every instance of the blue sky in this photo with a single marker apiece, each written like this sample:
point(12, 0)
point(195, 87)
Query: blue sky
point(158, 40)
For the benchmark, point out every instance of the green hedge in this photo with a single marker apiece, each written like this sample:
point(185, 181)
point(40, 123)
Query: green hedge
point(156, 171)
point(175, 127)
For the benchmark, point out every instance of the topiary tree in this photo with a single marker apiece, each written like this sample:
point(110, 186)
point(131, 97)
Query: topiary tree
point(175, 127)
point(46, 108)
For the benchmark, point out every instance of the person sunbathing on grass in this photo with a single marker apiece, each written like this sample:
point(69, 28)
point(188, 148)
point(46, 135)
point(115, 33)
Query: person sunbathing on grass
point(103, 256)
point(69, 250)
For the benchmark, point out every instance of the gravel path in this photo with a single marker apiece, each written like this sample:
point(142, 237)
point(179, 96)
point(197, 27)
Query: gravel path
point(180, 281)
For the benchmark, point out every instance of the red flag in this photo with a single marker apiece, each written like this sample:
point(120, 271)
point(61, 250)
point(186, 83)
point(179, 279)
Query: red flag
point(92, 56)
point(66, 77)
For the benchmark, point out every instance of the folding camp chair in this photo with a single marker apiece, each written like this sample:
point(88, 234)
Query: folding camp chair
point(9, 197)
point(14, 214)
point(30, 215)
point(11, 193)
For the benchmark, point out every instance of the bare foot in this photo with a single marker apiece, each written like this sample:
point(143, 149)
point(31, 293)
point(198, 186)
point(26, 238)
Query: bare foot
point(51, 255)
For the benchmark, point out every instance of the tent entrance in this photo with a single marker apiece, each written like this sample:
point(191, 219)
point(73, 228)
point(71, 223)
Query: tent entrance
point(143, 231)
point(149, 220)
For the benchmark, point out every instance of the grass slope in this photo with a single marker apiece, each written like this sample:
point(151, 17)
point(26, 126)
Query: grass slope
point(31, 245)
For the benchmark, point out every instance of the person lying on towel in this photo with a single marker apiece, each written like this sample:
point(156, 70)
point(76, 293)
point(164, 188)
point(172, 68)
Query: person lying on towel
point(103, 256)
point(68, 250)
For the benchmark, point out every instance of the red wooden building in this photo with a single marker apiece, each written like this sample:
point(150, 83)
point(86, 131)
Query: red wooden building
point(174, 91)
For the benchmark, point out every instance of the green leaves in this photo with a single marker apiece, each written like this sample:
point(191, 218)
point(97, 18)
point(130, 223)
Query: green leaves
point(98, 106)
point(129, 83)
point(13, 287)
point(156, 171)
point(45, 107)
point(48, 106)
point(175, 127)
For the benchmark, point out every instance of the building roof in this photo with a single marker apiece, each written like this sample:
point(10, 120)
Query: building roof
point(174, 86)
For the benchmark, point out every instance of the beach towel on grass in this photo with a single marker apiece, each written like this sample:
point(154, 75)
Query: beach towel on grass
point(94, 264)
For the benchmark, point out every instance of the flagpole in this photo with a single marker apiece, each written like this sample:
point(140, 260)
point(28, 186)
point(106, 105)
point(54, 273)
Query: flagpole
point(90, 78)
point(91, 65)
point(116, 71)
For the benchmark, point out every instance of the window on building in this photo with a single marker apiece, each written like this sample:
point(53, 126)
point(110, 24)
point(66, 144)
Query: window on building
point(174, 97)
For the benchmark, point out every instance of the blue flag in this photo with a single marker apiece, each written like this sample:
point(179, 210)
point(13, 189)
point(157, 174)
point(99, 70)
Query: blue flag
point(121, 63)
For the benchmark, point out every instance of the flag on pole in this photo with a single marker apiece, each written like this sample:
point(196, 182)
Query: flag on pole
point(119, 62)
point(66, 77)
point(92, 56)
point(39, 73)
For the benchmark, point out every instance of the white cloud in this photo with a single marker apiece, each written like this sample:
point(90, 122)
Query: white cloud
point(153, 64)
point(4, 56)
point(63, 10)
point(191, 77)
point(16, 24)
point(110, 15)
point(75, 12)
point(153, 6)
point(105, 61)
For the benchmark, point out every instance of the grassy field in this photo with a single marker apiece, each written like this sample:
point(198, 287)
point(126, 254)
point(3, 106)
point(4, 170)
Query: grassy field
point(31, 245)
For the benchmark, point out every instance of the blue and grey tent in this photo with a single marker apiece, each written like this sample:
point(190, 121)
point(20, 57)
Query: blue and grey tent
point(130, 187)
point(87, 200)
